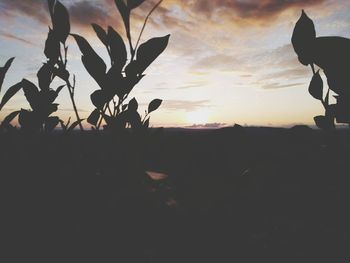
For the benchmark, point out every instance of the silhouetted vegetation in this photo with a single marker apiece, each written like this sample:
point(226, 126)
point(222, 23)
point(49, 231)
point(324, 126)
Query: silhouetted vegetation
point(331, 54)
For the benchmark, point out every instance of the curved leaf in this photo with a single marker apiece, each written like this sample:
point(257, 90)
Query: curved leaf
point(154, 105)
point(44, 76)
point(10, 93)
point(60, 21)
point(4, 70)
point(52, 47)
point(149, 51)
point(316, 86)
point(51, 123)
point(9, 118)
point(134, 3)
point(117, 48)
point(74, 124)
point(31, 93)
point(93, 63)
point(94, 117)
point(101, 34)
point(99, 99)
point(124, 12)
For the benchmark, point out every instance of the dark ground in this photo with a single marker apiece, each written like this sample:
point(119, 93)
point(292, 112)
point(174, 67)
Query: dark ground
point(232, 195)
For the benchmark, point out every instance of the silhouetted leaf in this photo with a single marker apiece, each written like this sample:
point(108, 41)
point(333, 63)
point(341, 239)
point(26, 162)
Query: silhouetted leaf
point(31, 93)
point(324, 123)
point(316, 86)
point(44, 76)
point(62, 73)
point(303, 37)
point(10, 93)
point(118, 49)
point(124, 12)
point(94, 117)
point(146, 123)
point(154, 105)
point(133, 105)
point(134, 119)
point(74, 124)
point(101, 34)
point(99, 98)
point(92, 62)
point(51, 123)
point(60, 21)
point(3, 71)
point(58, 90)
point(124, 107)
point(9, 118)
point(52, 47)
point(149, 51)
point(326, 100)
point(134, 3)
point(63, 126)
point(51, 4)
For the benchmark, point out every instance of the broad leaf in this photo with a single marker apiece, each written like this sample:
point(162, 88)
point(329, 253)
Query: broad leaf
point(133, 105)
point(117, 48)
point(52, 47)
point(10, 93)
point(316, 86)
point(44, 76)
point(51, 4)
point(324, 123)
point(94, 117)
point(60, 21)
point(31, 93)
point(154, 105)
point(99, 99)
point(124, 12)
point(149, 51)
point(304, 33)
point(92, 62)
point(3, 71)
point(101, 34)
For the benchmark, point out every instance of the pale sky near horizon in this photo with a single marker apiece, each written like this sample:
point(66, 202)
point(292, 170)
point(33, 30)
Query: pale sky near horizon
point(227, 61)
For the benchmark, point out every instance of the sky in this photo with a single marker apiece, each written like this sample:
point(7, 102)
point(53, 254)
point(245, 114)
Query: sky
point(227, 62)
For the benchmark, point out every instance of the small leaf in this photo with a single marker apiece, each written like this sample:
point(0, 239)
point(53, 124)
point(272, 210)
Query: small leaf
point(10, 93)
point(118, 49)
point(133, 105)
point(326, 100)
point(51, 123)
point(58, 90)
point(146, 123)
point(94, 117)
point(74, 124)
point(93, 63)
point(52, 47)
point(154, 105)
point(324, 122)
point(9, 118)
point(31, 93)
point(3, 71)
point(63, 126)
point(134, 3)
point(60, 21)
point(44, 76)
point(99, 99)
point(316, 86)
point(149, 51)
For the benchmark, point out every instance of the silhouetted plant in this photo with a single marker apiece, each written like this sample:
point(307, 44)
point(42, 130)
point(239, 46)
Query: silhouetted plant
point(118, 81)
point(331, 54)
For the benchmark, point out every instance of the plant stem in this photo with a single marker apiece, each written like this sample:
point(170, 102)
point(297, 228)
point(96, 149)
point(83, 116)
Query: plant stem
point(71, 93)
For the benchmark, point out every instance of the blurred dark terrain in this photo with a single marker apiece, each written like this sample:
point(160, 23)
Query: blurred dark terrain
point(231, 195)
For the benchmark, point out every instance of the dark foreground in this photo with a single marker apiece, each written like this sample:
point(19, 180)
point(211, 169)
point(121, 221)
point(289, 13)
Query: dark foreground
point(231, 195)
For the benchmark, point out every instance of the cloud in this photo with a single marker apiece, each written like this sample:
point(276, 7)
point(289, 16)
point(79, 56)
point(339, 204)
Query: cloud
point(13, 37)
point(185, 105)
point(214, 125)
point(278, 85)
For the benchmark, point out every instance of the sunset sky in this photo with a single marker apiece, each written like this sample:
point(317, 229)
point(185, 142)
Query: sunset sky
point(228, 61)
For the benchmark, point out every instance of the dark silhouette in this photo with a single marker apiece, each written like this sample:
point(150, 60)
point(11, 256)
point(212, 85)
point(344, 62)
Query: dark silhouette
point(332, 54)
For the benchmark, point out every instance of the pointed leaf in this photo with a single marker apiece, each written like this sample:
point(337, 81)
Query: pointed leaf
point(94, 117)
point(326, 100)
point(52, 47)
point(60, 21)
point(118, 49)
point(9, 118)
point(92, 62)
point(154, 105)
point(51, 4)
point(316, 86)
point(58, 90)
point(10, 93)
point(4, 70)
point(146, 123)
point(31, 93)
point(101, 34)
point(124, 12)
point(99, 99)
point(149, 51)
point(133, 105)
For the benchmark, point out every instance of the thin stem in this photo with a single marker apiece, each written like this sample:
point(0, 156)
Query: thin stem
point(71, 94)
point(102, 116)
point(313, 68)
point(144, 24)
